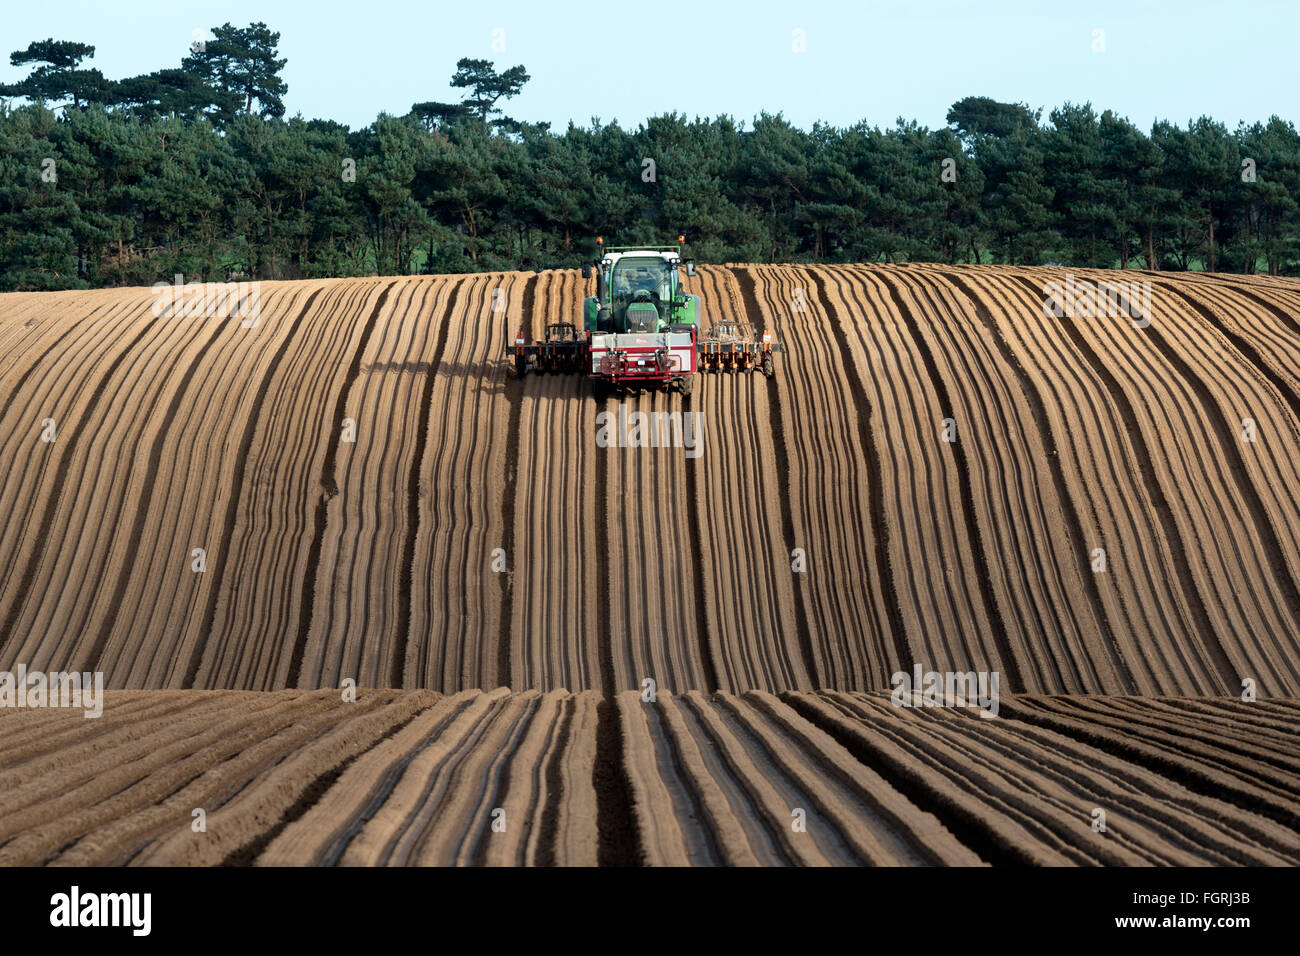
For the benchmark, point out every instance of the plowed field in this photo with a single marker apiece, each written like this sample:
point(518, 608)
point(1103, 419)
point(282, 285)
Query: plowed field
point(379, 501)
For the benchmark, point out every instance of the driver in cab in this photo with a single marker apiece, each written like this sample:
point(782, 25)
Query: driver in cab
point(628, 284)
point(641, 285)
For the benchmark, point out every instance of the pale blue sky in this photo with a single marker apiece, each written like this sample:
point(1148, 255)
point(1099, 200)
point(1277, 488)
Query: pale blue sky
point(349, 59)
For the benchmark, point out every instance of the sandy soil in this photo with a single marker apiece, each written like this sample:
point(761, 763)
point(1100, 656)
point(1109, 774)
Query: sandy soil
point(473, 536)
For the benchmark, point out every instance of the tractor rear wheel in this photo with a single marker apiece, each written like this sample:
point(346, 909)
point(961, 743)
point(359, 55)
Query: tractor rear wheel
point(767, 364)
point(685, 384)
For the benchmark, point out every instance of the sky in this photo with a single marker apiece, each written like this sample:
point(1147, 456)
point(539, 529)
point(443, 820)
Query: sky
point(837, 62)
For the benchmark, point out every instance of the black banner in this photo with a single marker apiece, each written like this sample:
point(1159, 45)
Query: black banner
point(343, 907)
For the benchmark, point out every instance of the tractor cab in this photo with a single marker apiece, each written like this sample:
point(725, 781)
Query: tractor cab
point(642, 293)
point(638, 289)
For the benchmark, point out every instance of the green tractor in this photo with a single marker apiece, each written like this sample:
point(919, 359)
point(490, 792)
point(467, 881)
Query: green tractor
point(642, 325)
point(642, 330)
point(638, 290)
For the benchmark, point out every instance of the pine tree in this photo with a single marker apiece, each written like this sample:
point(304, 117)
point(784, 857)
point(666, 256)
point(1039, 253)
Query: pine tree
point(241, 64)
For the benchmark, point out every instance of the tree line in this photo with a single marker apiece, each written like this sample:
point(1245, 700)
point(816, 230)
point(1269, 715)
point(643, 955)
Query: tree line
point(195, 170)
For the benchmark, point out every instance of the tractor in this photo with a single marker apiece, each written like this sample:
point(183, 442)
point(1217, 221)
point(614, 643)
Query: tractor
point(642, 324)
point(642, 329)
